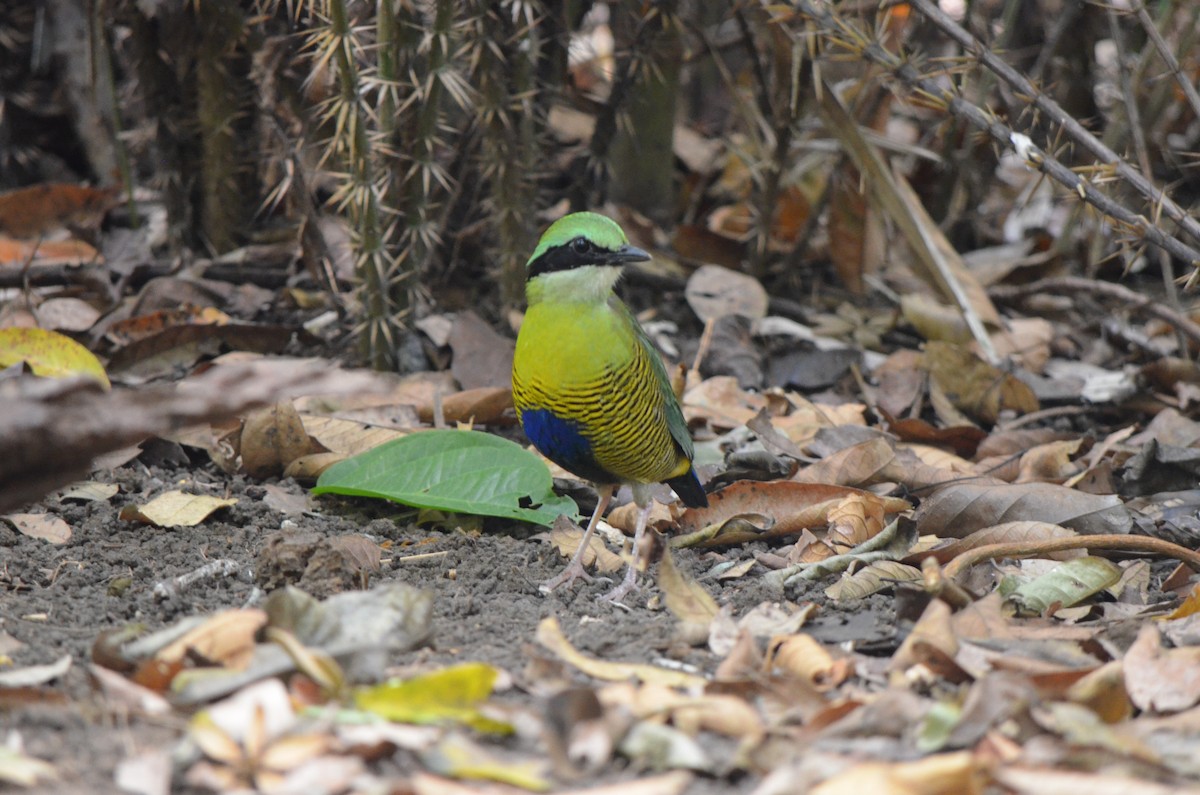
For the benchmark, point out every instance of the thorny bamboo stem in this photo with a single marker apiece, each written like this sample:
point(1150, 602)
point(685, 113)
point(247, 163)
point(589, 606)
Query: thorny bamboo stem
point(1072, 284)
point(1164, 52)
point(1045, 104)
point(361, 198)
point(1006, 136)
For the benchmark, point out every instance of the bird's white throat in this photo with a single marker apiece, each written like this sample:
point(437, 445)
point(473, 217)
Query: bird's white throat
point(587, 284)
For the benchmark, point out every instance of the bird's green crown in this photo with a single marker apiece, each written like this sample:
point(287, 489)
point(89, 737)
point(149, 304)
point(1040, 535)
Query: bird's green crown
point(582, 239)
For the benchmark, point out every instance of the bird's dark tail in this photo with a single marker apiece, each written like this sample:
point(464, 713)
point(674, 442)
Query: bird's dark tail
point(688, 487)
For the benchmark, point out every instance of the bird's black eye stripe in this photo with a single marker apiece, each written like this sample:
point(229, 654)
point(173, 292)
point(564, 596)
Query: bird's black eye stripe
point(579, 251)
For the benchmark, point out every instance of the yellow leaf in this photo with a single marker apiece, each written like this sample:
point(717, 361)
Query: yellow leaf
point(458, 757)
point(446, 696)
point(49, 354)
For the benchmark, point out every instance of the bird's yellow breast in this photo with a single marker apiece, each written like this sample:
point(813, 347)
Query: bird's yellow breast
point(581, 366)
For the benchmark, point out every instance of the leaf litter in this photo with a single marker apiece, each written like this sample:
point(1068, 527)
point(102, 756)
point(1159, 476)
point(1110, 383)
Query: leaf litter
point(950, 546)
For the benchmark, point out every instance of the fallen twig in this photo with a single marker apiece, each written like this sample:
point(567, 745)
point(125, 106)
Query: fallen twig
point(1033, 549)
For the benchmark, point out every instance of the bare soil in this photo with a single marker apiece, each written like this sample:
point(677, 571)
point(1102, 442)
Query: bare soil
point(58, 600)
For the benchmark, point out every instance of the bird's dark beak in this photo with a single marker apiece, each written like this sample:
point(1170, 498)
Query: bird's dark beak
point(627, 253)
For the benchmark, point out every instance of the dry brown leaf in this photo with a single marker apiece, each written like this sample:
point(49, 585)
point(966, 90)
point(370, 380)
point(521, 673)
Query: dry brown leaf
point(33, 211)
point(307, 468)
point(974, 386)
point(487, 405)
point(1025, 341)
point(46, 253)
point(901, 382)
point(1008, 532)
point(1103, 691)
point(714, 292)
point(1159, 679)
point(1005, 443)
point(346, 437)
point(931, 643)
point(272, 438)
point(960, 509)
point(566, 536)
point(803, 657)
point(482, 358)
point(42, 526)
point(722, 403)
point(66, 314)
point(853, 521)
point(686, 599)
point(702, 244)
point(934, 320)
point(964, 440)
point(1053, 462)
point(859, 465)
point(750, 510)
point(226, 638)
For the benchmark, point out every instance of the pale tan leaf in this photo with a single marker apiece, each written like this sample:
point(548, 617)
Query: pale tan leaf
point(714, 292)
point(175, 509)
point(346, 437)
point(550, 635)
point(960, 773)
point(226, 638)
point(566, 536)
point(684, 597)
point(1159, 679)
point(872, 579)
point(804, 658)
point(42, 526)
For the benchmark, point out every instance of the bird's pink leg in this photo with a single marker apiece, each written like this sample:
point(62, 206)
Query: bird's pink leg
point(574, 570)
point(630, 582)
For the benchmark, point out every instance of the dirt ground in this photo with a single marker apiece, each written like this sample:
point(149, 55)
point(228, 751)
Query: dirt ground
point(57, 600)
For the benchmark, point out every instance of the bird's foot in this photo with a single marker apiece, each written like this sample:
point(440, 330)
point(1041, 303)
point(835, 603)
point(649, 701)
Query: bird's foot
point(621, 591)
point(574, 571)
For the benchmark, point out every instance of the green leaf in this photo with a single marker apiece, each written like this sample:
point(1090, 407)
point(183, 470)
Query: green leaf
point(1065, 585)
point(447, 696)
point(458, 471)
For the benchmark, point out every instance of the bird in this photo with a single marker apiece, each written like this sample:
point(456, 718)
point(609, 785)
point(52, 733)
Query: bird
point(590, 390)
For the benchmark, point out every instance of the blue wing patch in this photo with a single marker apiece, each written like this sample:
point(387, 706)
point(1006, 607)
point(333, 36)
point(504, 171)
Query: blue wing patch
point(563, 442)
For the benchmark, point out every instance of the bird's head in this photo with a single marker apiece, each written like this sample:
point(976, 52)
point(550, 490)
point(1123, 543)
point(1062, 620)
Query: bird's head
point(579, 258)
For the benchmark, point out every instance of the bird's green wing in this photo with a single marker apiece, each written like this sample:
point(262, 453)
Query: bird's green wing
point(675, 421)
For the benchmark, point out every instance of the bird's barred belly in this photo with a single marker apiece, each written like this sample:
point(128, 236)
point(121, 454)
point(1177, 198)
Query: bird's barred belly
point(608, 430)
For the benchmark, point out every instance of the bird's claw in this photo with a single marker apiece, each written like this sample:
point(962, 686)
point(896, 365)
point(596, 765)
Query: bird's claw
point(574, 571)
point(627, 585)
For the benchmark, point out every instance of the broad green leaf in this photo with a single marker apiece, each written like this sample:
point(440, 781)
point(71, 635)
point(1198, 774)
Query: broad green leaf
point(457, 471)
point(49, 354)
point(1066, 585)
point(447, 696)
